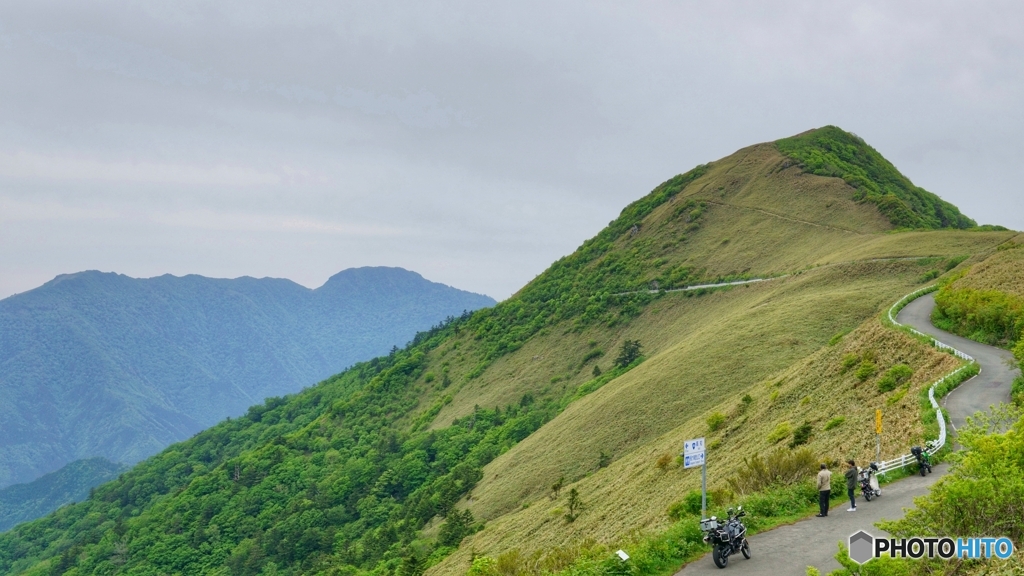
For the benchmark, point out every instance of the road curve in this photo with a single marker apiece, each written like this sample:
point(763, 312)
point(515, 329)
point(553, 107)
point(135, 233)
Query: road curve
point(990, 387)
point(812, 542)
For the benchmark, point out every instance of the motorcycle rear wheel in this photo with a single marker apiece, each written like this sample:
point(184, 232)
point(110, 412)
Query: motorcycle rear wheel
point(745, 549)
point(720, 556)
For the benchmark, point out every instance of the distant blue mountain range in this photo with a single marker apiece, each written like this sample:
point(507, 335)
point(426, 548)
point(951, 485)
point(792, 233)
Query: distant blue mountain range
point(72, 483)
point(100, 364)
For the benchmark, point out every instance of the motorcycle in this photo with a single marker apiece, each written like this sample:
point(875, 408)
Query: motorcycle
point(726, 538)
point(869, 482)
point(924, 462)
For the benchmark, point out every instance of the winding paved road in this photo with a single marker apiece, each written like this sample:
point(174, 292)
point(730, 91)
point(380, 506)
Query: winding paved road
point(788, 550)
point(990, 387)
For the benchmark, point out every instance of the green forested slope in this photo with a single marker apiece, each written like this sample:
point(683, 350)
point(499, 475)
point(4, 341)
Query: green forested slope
point(385, 467)
point(830, 151)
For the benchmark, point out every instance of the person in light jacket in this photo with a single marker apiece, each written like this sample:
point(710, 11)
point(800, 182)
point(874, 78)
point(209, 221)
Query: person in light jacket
point(824, 490)
point(851, 484)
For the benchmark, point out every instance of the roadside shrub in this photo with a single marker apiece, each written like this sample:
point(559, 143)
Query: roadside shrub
point(801, 435)
point(715, 421)
point(835, 422)
point(989, 316)
point(692, 502)
point(866, 370)
point(779, 501)
point(782, 430)
point(780, 468)
point(927, 276)
point(663, 461)
point(849, 361)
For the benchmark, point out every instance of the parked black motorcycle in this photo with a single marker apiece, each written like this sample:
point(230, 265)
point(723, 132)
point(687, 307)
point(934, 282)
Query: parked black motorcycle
point(726, 538)
point(924, 462)
point(869, 482)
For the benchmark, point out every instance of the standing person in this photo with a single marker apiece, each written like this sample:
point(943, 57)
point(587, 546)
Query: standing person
point(824, 490)
point(851, 484)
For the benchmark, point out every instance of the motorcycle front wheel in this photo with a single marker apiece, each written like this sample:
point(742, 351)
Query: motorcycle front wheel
point(720, 556)
point(922, 470)
point(867, 495)
point(745, 549)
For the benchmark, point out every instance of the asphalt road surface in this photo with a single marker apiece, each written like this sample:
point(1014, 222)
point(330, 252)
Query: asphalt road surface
point(789, 550)
point(990, 387)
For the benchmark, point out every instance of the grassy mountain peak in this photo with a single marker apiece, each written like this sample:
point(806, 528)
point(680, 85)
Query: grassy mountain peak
point(830, 151)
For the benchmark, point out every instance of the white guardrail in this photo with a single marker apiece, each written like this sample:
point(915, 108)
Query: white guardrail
point(932, 447)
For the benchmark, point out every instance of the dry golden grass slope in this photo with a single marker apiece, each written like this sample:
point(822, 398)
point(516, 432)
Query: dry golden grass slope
point(762, 216)
point(1003, 271)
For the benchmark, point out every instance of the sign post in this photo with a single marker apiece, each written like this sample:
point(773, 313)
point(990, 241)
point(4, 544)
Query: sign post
point(878, 435)
point(693, 456)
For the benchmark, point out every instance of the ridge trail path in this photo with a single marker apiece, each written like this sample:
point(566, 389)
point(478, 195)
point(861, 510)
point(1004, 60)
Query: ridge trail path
point(789, 550)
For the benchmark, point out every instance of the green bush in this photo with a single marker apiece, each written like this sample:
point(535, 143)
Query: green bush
point(597, 353)
point(782, 430)
point(801, 435)
point(781, 468)
point(629, 353)
point(866, 370)
point(954, 262)
point(849, 361)
point(837, 337)
point(835, 422)
point(989, 316)
point(715, 421)
point(894, 376)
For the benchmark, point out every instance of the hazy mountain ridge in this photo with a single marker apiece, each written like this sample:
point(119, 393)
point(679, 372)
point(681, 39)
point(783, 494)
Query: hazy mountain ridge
point(72, 483)
point(100, 364)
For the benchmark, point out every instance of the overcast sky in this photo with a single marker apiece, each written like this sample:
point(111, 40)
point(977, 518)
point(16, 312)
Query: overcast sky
point(472, 142)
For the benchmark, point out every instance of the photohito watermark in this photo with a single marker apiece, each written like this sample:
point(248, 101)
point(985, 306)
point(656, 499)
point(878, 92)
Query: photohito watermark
point(864, 547)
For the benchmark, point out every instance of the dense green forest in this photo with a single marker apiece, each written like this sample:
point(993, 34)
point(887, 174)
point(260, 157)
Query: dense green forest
point(333, 478)
point(22, 502)
point(830, 151)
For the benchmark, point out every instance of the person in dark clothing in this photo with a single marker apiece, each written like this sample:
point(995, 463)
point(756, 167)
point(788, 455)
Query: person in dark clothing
point(851, 484)
point(824, 490)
